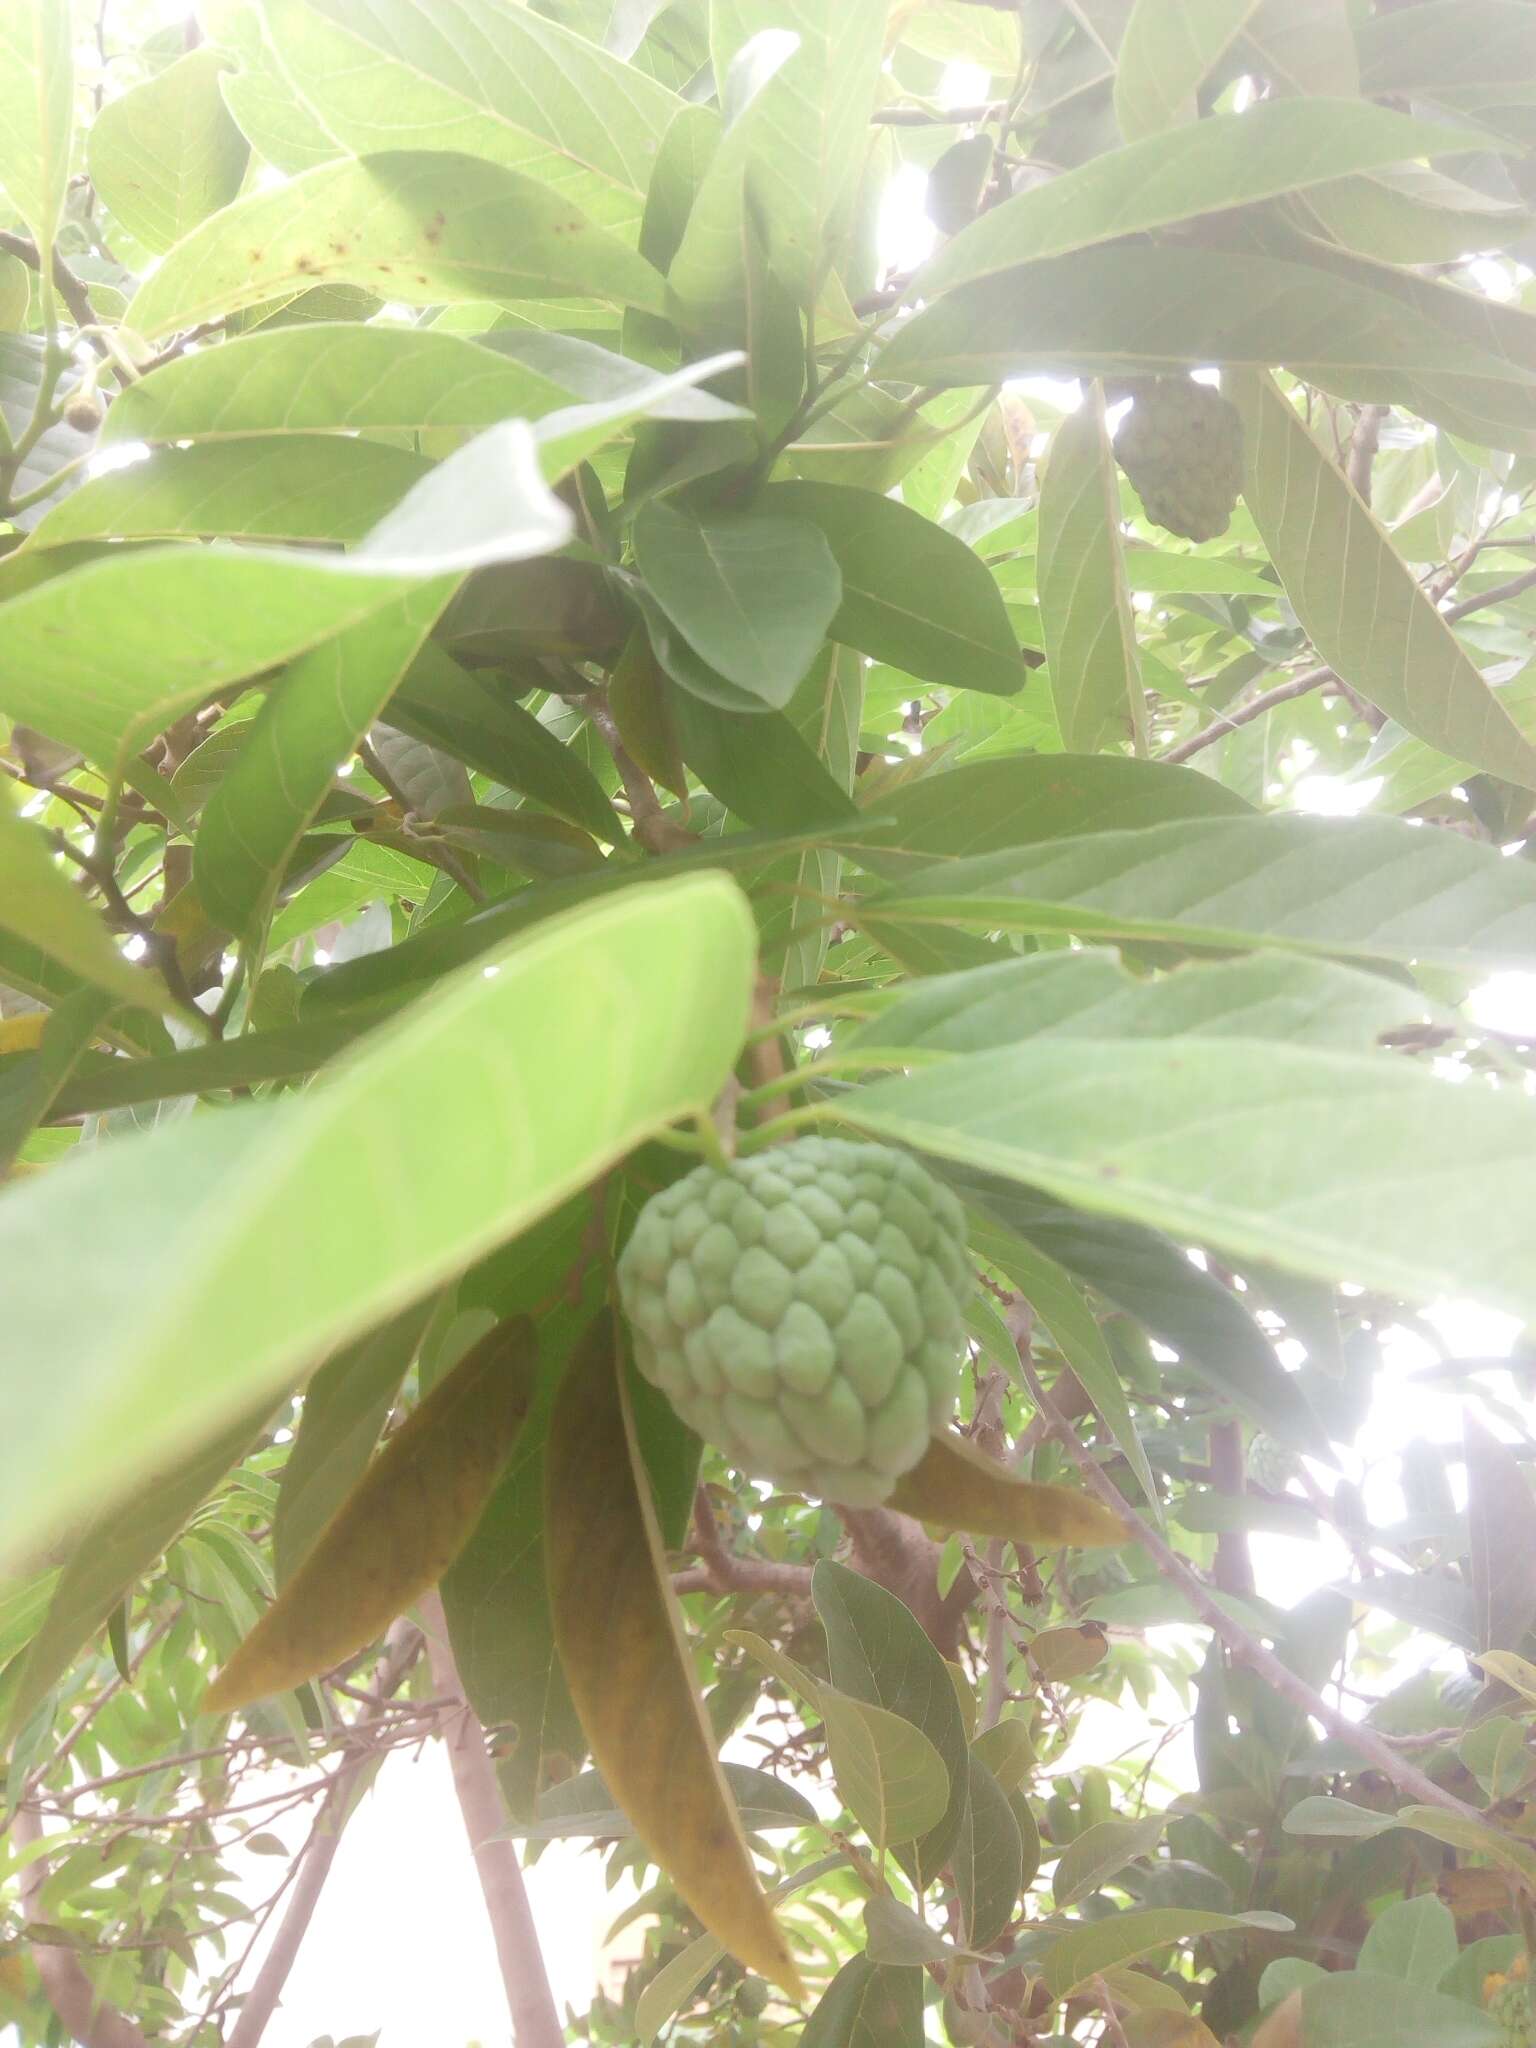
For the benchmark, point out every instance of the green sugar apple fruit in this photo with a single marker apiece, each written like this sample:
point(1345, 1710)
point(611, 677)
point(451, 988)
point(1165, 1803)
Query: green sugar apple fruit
point(804, 1310)
point(1181, 445)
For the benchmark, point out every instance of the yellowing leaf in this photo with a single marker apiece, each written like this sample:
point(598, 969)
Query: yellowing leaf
point(621, 1644)
point(23, 1033)
point(1515, 1672)
point(398, 1531)
point(955, 1486)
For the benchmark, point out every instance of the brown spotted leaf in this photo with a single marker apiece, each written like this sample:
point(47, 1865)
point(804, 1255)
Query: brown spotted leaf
point(619, 1633)
point(955, 1486)
point(399, 1529)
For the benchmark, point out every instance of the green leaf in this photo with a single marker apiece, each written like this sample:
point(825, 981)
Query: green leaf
point(1099, 1853)
point(484, 727)
point(1373, 624)
point(23, 365)
point(877, 1652)
point(1518, 1673)
point(893, 1933)
point(1203, 167)
point(424, 227)
point(111, 1553)
point(499, 82)
point(868, 2005)
point(956, 1486)
point(298, 488)
point(39, 907)
point(1165, 55)
point(37, 111)
point(31, 1084)
point(309, 725)
point(339, 379)
point(1021, 799)
point(889, 1775)
point(1415, 896)
point(759, 767)
point(1084, 1953)
point(1305, 46)
point(809, 127)
point(1090, 636)
point(1364, 2008)
point(753, 594)
point(673, 1985)
point(583, 1807)
point(166, 154)
point(1445, 47)
point(1276, 1152)
point(278, 1249)
point(1134, 310)
point(346, 1405)
point(1413, 1940)
point(988, 1858)
point(627, 1662)
point(913, 595)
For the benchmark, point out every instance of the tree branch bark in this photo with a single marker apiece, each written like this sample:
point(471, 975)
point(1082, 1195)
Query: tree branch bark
point(1365, 1742)
point(1244, 714)
point(535, 2020)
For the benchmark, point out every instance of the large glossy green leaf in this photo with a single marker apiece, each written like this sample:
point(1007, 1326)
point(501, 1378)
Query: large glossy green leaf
point(489, 77)
point(1081, 1955)
point(278, 1247)
point(1364, 2008)
point(810, 127)
point(1270, 1151)
point(1085, 607)
point(1020, 799)
point(1164, 56)
point(913, 595)
point(309, 724)
point(1413, 1940)
point(311, 487)
point(868, 2005)
point(39, 906)
point(759, 767)
point(1413, 895)
point(166, 154)
point(1135, 310)
point(424, 227)
point(1230, 160)
point(37, 110)
point(1358, 599)
point(877, 1652)
point(988, 1859)
point(753, 594)
point(1445, 46)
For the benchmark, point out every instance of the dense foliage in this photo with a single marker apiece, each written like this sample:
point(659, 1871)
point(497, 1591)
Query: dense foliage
point(588, 587)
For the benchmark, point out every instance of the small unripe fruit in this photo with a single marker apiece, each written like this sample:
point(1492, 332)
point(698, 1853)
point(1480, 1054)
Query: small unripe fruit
point(803, 1309)
point(84, 413)
point(1181, 445)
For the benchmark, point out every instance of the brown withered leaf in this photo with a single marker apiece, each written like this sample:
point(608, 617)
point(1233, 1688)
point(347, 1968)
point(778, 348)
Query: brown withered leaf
point(619, 1633)
point(398, 1530)
point(955, 1486)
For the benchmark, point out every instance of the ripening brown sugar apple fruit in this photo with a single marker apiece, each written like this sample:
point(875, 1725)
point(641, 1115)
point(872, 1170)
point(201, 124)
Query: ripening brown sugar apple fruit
point(803, 1310)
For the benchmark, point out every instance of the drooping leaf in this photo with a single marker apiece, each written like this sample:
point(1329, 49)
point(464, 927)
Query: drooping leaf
point(868, 2005)
point(397, 1531)
point(166, 154)
point(346, 1405)
point(301, 1253)
point(1391, 645)
point(424, 226)
point(626, 1662)
point(956, 1486)
point(1090, 637)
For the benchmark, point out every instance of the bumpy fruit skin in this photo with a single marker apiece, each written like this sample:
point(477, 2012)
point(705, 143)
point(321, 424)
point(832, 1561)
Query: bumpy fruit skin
point(803, 1310)
point(1181, 445)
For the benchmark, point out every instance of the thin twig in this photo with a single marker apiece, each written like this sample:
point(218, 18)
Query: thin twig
point(1495, 595)
point(70, 288)
point(1407, 1777)
point(1363, 445)
point(1244, 714)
